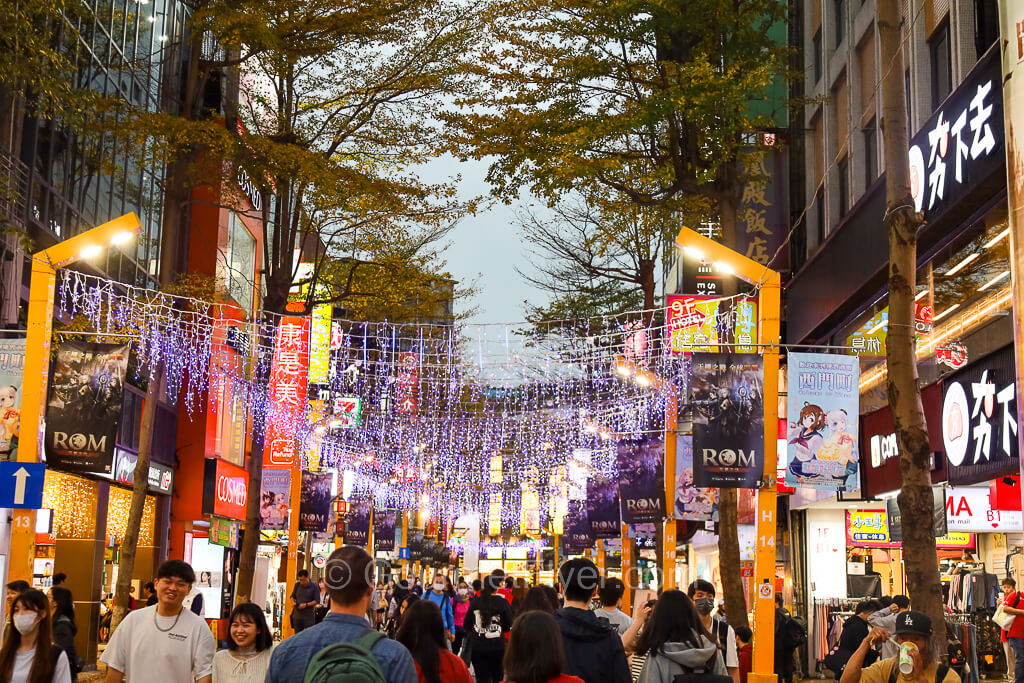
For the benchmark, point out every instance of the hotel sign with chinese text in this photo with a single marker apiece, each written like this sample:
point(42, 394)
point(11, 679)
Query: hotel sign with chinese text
point(701, 323)
point(288, 384)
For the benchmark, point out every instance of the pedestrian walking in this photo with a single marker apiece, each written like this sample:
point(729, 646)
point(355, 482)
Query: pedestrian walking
point(62, 625)
point(610, 594)
point(702, 593)
point(460, 606)
point(487, 621)
point(914, 635)
point(150, 589)
point(519, 591)
point(675, 641)
point(1009, 586)
point(323, 602)
point(534, 653)
point(27, 654)
point(855, 631)
point(305, 596)
point(439, 597)
point(1013, 604)
point(310, 653)
point(167, 638)
point(745, 650)
point(250, 645)
point(193, 601)
point(593, 648)
point(408, 601)
point(425, 636)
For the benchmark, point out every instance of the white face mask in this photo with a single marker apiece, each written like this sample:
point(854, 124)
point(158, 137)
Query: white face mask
point(26, 622)
point(439, 586)
point(463, 592)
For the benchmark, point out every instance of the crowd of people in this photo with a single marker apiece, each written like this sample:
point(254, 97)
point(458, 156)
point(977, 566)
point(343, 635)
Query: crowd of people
point(495, 629)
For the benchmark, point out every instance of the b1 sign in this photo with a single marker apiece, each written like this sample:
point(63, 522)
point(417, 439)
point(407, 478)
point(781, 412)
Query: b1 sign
point(969, 509)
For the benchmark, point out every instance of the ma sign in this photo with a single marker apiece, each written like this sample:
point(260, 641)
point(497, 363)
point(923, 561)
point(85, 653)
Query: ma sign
point(969, 509)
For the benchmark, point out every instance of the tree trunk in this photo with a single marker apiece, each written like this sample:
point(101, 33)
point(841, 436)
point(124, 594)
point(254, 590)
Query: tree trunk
point(251, 537)
point(915, 498)
point(729, 558)
point(130, 543)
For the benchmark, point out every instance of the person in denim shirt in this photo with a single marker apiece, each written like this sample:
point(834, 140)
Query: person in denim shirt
point(349, 580)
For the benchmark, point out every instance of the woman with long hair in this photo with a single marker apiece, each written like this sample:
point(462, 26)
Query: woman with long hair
point(537, 599)
point(408, 601)
point(250, 645)
point(27, 654)
point(62, 621)
point(519, 591)
point(674, 641)
point(423, 634)
point(487, 621)
point(535, 653)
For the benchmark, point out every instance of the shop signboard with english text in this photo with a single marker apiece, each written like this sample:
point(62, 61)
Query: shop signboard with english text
point(225, 489)
point(823, 404)
point(726, 394)
point(970, 509)
point(979, 419)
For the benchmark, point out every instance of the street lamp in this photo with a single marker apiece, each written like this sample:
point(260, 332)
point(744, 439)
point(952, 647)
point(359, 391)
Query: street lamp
point(45, 265)
point(769, 299)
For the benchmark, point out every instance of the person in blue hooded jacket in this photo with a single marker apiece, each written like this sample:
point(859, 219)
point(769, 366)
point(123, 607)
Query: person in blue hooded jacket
point(440, 597)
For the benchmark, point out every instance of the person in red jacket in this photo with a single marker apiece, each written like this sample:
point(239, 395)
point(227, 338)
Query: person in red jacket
point(535, 653)
point(423, 634)
point(745, 650)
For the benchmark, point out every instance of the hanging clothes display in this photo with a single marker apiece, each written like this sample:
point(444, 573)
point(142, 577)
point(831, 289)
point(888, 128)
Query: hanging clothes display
point(826, 627)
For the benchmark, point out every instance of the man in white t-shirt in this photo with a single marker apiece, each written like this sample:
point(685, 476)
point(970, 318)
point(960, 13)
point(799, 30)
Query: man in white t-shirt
point(165, 641)
point(703, 595)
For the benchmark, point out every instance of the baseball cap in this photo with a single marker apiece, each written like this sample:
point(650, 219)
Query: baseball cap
point(913, 623)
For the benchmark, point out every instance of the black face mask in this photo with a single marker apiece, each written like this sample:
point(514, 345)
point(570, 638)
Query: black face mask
point(704, 605)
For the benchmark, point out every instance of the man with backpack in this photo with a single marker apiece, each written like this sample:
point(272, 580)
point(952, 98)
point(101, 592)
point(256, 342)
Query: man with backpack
point(914, 631)
point(790, 633)
point(703, 595)
point(343, 648)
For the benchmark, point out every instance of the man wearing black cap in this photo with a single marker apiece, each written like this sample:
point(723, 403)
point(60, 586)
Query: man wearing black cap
point(911, 627)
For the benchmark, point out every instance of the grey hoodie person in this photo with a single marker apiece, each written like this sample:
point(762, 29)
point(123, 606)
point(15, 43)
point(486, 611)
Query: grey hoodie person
point(680, 658)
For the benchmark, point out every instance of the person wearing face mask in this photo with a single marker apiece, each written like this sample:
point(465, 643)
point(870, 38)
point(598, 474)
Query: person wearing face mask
point(703, 595)
point(167, 638)
point(460, 606)
point(27, 654)
point(250, 645)
point(439, 597)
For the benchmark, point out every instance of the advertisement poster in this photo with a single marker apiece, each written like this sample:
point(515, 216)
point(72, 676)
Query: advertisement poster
point(315, 501)
point(700, 323)
point(12, 367)
point(84, 407)
point(275, 497)
point(692, 503)
point(289, 375)
point(642, 480)
point(726, 393)
point(979, 419)
point(357, 522)
point(384, 530)
point(577, 537)
point(823, 407)
point(603, 508)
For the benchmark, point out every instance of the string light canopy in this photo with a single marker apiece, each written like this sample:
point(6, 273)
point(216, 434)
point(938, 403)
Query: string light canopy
point(438, 401)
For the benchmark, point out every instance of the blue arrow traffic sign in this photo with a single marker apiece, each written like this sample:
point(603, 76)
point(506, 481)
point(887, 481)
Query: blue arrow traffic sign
point(21, 484)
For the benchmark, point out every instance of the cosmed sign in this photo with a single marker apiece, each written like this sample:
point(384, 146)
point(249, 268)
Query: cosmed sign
point(225, 489)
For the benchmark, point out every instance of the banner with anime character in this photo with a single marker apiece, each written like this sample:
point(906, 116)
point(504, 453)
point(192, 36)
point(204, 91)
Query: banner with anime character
point(12, 370)
point(727, 399)
point(275, 498)
point(823, 409)
point(642, 480)
point(84, 406)
point(692, 503)
point(603, 508)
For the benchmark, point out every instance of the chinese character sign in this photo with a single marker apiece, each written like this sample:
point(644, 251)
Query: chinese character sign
point(868, 528)
point(288, 377)
point(979, 419)
point(960, 142)
point(320, 344)
point(823, 407)
point(700, 323)
point(726, 392)
point(408, 383)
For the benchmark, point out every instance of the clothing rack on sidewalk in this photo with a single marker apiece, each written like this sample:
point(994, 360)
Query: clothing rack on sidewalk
point(826, 625)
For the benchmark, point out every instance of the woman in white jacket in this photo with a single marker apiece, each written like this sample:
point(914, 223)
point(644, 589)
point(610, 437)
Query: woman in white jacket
point(675, 642)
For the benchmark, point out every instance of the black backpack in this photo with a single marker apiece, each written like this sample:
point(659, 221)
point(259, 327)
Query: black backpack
point(793, 633)
point(701, 675)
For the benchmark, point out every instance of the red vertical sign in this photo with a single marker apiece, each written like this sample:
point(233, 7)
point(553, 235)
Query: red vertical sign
point(408, 382)
point(288, 378)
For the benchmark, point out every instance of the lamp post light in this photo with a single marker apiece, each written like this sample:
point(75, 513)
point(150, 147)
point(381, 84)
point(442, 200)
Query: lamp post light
point(769, 313)
point(45, 265)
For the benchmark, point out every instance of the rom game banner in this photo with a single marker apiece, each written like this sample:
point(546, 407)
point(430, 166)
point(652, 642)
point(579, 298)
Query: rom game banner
point(603, 508)
point(642, 480)
point(357, 530)
point(84, 406)
point(577, 536)
point(726, 393)
point(823, 409)
point(315, 503)
point(384, 530)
